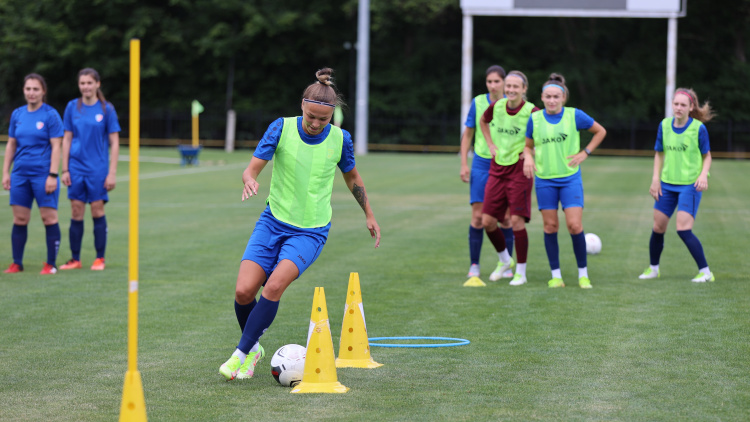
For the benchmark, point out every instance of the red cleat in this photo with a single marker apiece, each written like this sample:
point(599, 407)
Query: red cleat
point(73, 264)
point(98, 264)
point(48, 269)
point(14, 268)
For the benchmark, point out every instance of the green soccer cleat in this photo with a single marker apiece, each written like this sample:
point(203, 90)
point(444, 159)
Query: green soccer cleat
point(584, 282)
point(555, 282)
point(518, 280)
point(229, 368)
point(248, 368)
point(703, 277)
point(649, 273)
point(502, 267)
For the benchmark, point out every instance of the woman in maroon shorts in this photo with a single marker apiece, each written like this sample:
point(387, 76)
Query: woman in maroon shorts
point(507, 189)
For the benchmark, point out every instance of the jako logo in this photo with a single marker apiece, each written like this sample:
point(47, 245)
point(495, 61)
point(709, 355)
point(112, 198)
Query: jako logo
point(678, 148)
point(561, 138)
point(509, 131)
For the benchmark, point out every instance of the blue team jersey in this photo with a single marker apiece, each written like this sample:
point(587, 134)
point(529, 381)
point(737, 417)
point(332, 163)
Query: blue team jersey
point(583, 121)
point(32, 131)
point(267, 145)
point(91, 126)
point(703, 143)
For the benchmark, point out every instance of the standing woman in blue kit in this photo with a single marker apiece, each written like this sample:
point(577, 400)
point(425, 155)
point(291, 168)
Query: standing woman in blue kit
point(34, 138)
point(681, 165)
point(554, 141)
point(480, 167)
point(91, 148)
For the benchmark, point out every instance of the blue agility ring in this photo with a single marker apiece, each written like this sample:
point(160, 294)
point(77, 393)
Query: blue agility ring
point(456, 342)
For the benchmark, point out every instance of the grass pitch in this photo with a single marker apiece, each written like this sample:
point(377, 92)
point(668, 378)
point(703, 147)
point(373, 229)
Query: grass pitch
point(628, 349)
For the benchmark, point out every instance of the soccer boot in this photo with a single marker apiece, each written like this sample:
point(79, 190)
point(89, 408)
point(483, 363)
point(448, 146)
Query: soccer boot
point(518, 280)
point(555, 282)
point(98, 264)
point(473, 271)
point(48, 269)
point(502, 267)
point(72, 264)
point(248, 368)
point(704, 277)
point(230, 367)
point(584, 282)
point(14, 268)
point(649, 273)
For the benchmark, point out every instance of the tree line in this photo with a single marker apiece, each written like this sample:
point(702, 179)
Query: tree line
point(255, 55)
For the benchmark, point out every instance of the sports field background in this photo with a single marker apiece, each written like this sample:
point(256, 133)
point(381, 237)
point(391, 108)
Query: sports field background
point(628, 349)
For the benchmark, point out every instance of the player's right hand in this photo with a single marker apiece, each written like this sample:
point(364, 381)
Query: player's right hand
point(250, 189)
point(6, 181)
point(465, 173)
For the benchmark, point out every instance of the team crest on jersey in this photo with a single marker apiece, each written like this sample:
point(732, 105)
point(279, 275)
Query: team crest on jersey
point(39, 125)
point(99, 117)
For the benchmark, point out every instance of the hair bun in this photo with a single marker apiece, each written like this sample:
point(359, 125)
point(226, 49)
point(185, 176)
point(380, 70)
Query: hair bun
point(325, 76)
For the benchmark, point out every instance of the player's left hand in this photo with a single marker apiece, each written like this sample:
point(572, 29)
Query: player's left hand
point(249, 189)
point(110, 182)
point(374, 229)
point(577, 159)
point(50, 185)
point(701, 184)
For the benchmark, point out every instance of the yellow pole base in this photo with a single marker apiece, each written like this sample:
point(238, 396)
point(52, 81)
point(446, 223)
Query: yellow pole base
point(357, 363)
point(320, 387)
point(474, 282)
point(133, 407)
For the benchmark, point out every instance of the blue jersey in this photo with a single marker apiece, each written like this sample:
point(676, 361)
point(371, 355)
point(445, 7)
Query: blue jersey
point(32, 131)
point(91, 126)
point(267, 145)
point(583, 121)
point(703, 144)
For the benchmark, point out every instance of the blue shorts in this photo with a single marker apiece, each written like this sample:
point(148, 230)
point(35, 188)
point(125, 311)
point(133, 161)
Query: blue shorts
point(567, 191)
point(88, 188)
point(273, 241)
point(683, 197)
point(480, 172)
point(24, 189)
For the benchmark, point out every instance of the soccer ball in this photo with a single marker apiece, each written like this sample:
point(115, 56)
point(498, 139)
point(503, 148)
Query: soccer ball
point(288, 364)
point(593, 244)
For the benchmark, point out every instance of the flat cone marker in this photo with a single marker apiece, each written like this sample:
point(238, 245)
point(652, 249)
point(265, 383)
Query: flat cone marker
point(320, 367)
point(474, 282)
point(354, 347)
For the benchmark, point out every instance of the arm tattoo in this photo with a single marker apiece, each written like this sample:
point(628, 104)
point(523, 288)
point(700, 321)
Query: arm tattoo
point(360, 195)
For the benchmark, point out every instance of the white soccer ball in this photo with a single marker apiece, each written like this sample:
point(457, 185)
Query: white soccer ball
point(593, 244)
point(288, 364)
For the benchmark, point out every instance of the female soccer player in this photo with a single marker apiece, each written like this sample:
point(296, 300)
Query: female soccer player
point(34, 139)
point(480, 165)
point(91, 147)
point(555, 134)
point(292, 230)
point(681, 165)
point(508, 190)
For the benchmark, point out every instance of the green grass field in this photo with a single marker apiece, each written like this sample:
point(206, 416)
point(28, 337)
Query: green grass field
point(628, 349)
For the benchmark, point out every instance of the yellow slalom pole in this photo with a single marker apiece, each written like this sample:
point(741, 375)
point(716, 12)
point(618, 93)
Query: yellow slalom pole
point(195, 131)
point(133, 407)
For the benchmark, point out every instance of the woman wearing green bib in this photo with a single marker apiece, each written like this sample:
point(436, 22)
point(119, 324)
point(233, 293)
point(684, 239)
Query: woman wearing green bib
point(681, 165)
point(553, 140)
point(480, 166)
point(508, 191)
point(293, 228)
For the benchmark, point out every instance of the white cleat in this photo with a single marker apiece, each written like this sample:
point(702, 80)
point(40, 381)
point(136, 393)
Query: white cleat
point(704, 277)
point(518, 280)
point(502, 267)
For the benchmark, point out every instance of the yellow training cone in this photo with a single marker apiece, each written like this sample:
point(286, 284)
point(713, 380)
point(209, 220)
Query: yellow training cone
point(474, 282)
point(320, 368)
point(354, 348)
